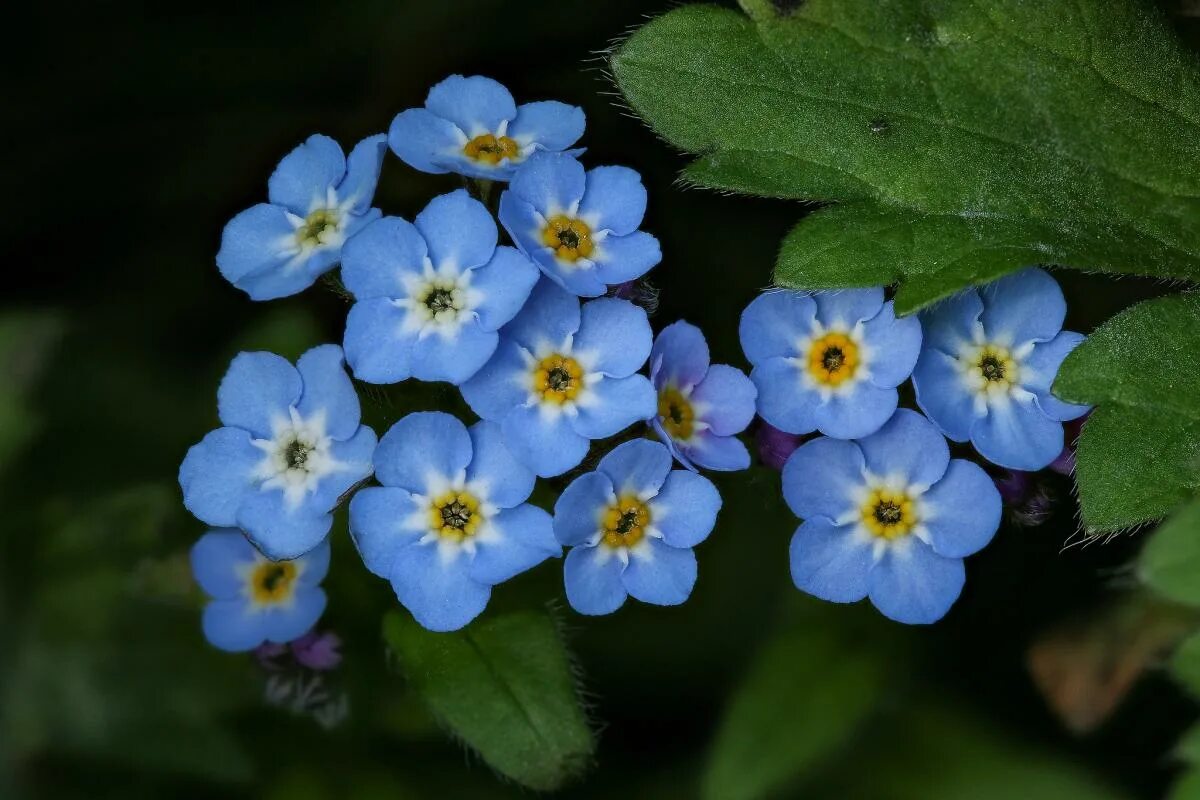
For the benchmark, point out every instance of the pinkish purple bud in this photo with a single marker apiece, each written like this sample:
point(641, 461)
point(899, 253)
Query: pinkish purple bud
point(318, 651)
point(1065, 463)
point(268, 654)
point(774, 446)
point(1014, 486)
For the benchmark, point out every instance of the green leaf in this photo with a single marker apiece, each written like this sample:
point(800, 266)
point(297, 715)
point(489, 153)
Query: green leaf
point(1185, 663)
point(27, 342)
point(1138, 456)
point(1170, 561)
point(505, 686)
point(972, 138)
point(1187, 787)
point(1188, 746)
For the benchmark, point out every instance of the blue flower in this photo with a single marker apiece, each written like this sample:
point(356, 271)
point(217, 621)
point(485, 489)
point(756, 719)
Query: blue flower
point(473, 127)
point(431, 295)
point(563, 376)
point(631, 526)
point(889, 517)
point(581, 229)
point(318, 199)
point(701, 408)
point(292, 445)
point(989, 358)
point(255, 600)
point(450, 521)
point(828, 361)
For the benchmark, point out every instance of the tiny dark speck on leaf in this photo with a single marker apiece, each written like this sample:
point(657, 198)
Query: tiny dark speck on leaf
point(786, 6)
point(880, 126)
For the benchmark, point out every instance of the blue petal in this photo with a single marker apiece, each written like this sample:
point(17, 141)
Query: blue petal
point(475, 104)
point(425, 141)
point(382, 522)
point(774, 322)
point(304, 176)
point(581, 281)
point(439, 593)
point(914, 585)
point(377, 349)
point(685, 510)
point(908, 446)
point(279, 531)
point(505, 283)
point(231, 625)
point(843, 308)
point(259, 240)
point(624, 258)
point(549, 123)
point(315, 565)
point(257, 388)
point(637, 467)
point(551, 314)
point(1040, 368)
point(497, 475)
point(500, 385)
point(362, 173)
point(822, 477)
point(1018, 435)
point(613, 405)
point(943, 396)
point(291, 277)
point(285, 623)
point(523, 537)
point(423, 446)
point(453, 358)
point(679, 356)
point(962, 511)
point(524, 224)
point(721, 453)
point(856, 413)
point(550, 182)
point(614, 337)
point(894, 344)
point(458, 229)
point(328, 390)
point(782, 399)
point(592, 576)
point(578, 509)
point(830, 561)
point(375, 260)
point(725, 400)
point(659, 574)
point(614, 199)
point(953, 323)
point(547, 446)
point(218, 474)
point(355, 455)
point(215, 558)
point(1024, 306)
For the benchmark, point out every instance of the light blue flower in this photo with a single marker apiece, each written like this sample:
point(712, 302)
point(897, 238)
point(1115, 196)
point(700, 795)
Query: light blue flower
point(473, 127)
point(318, 199)
point(828, 361)
point(631, 526)
point(255, 600)
point(701, 407)
point(450, 521)
point(431, 294)
point(563, 376)
point(291, 447)
point(989, 358)
point(581, 229)
point(889, 517)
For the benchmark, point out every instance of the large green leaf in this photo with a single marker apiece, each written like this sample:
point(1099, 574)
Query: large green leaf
point(1170, 563)
point(969, 138)
point(505, 686)
point(1185, 663)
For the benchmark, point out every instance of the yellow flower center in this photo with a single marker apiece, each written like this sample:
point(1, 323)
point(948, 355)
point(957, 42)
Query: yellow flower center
point(455, 515)
point(318, 227)
point(570, 239)
point(490, 149)
point(558, 379)
point(889, 514)
point(833, 359)
point(625, 522)
point(271, 582)
point(676, 414)
point(996, 366)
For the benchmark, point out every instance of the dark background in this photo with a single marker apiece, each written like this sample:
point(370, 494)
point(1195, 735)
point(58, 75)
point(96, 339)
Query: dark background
point(135, 133)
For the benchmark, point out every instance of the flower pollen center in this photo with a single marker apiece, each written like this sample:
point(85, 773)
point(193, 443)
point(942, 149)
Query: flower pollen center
point(889, 514)
point(319, 227)
point(624, 522)
point(557, 379)
point(439, 300)
point(296, 454)
point(994, 368)
point(271, 582)
point(676, 414)
point(491, 149)
point(570, 239)
point(833, 359)
point(455, 515)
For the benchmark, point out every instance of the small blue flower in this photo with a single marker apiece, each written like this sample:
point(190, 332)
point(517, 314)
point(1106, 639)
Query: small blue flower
point(292, 445)
point(431, 295)
point(989, 358)
point(581, 229)
point(828, 361)
point(631, 526)
point(701, 407)
point(889, 517)
point(450, 521)
point(318, 199)
point(563, 376)
point(255, 600)
point(473, 126)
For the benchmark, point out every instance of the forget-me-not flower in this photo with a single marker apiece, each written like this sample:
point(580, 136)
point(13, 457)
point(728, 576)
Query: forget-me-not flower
point(631, 526)
point(292, 445)
point(318, 199)
point(989, 358)
point(828, 361)
point(701, 407)
point(256, 600)
point(450, 521)
point(472, 126)
point(432, 293)
point(564, 375)
point(580, 228)
point(889, 517)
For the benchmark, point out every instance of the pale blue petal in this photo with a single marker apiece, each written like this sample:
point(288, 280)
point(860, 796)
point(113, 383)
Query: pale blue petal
point(425, 141)
point(440, 594)
point(305, 175)
point(355, 455)
point(500, 385)
point(843, 308)
point(257, 388)
point(637, 467)
point(614, 200)
point(894, 344)
point(524, 224)
point(475, 104)
point(822, 477)
point(685, 510)
point(551, 314)
point(720, 453)
point(908, 446)
point(582, 282)
point(215, 558)
point(423, 446)
point(615, 404)
point(315, 565)
point(614, 337)
point(1018, 435)
point(526, 539)
point(377, 348)
point(547, 446)
point(328, 390)
point(217, 474)
point(379, 525)
point(578, 510)
point(1040, 368)
point(725, 399)
point(550, 182)
point(362, 172)
point(679, 356)
point(503, 480)
point(260, 239)
point(962, 511)
point(231, 625)
point(943, 396)
point(914, 585)
point(458, 229)
point(857, 413)
point(456, 358)
point(659, 574)
point(953, 323)
point(505, 283)
point(592, 576)
point(376, 259)
point(828, 561)
point(549, 123)
point(773, 324)
point(1027, 305)
point(624, 258)
point(782, 399)
point(291, 277)
point(279, 531)
point(284, 623)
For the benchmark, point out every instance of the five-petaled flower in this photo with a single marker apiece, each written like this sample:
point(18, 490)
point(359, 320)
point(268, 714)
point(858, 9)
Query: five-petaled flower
point(564, 375)
point(989, 358)
point(292, 445)
point(701, 407)
point(889, 517)
point(631, 526)
point(581, 228)
point(450, 521)
point(431, 294)
point(828, 361)
point(472, 126)
point(318, 199)
point(254, 599)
